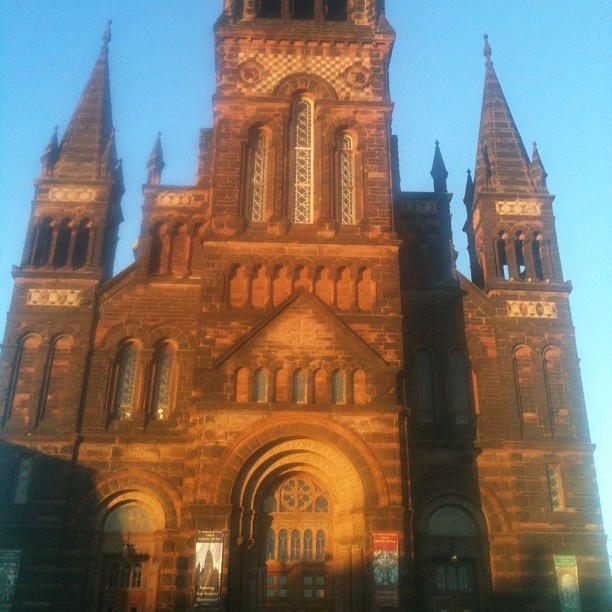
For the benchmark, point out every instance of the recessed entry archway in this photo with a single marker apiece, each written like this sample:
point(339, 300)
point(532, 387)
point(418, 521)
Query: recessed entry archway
point(301, 495)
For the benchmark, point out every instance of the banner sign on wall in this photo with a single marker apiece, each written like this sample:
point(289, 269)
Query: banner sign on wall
point(208, 567)
point(385, 567)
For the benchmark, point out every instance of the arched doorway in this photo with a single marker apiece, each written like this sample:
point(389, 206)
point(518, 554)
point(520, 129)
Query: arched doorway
point(453, 561)
point(127, 576)
point(300, 519)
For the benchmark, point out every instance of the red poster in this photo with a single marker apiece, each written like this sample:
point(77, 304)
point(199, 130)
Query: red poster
point(385, 568)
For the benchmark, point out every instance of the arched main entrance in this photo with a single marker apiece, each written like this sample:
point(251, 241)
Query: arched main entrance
point(300, 517)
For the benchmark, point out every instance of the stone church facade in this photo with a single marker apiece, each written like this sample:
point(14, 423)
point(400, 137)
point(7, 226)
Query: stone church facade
point(292, 400)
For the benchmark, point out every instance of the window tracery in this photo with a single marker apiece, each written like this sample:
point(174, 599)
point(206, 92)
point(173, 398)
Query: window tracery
point(257, 177)
point(163, 364)
point(303, 162)
point(346, 171)
point(126, 382)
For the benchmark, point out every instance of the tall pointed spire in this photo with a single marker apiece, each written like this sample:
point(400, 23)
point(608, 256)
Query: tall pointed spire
point(438, 171)
point(538, 173)
point(156, 162)
point(502, 162)
point(85, 150)
point(49, 158)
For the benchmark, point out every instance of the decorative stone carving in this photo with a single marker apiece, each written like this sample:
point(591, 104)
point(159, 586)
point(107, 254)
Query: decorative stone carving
point(527, 209)
point(54, 297)
point(175, 199)
point(72, 194)
point(249, 72)
point(358, 76)
point(532, 310)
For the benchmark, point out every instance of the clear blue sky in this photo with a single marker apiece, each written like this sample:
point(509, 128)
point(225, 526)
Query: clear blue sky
point(554, 61)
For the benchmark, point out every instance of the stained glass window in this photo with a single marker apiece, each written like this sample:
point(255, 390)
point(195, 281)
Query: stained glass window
point(259, 155)
point(163, 382)
point(125, 382)
point(308, 548)
point(299, 387)
point(320, 545)
point(303, 162)
point(347, 180)
point(339, 388)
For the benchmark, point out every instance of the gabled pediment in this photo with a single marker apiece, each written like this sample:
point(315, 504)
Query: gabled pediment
point(303, 329)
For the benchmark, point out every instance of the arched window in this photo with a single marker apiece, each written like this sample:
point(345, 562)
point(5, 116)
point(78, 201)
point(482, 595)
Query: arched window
point(23, 386)
point(303, 161)
point(44, 238)
point(339, 387)
point(299, 387)
point(424, 387)
point(258, 163)
point(320, 553)
point(125, 390)
point(308, 545)
point(62, 244)
point(179, 250)
point(260, 386)
point(158, 248)
point(269, 9)
point(536, 250)
point(295, 545)
point(270, 545)
point(525, 384)
point(196, 258)
point(502, 261)
point(346, 180)
point(56, 379)
point(556, 386)
point(80, 255)
point(283, 552)
point(458, 388)
point(519, 254)
point(162, 386)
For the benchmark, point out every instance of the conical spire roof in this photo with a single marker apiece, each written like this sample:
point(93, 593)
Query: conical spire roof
point(156, 163)
point(502, 163)
point(438, 172)
point(538, 173)
point(85, 148)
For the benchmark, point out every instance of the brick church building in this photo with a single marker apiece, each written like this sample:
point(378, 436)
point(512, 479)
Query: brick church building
point(292, 400)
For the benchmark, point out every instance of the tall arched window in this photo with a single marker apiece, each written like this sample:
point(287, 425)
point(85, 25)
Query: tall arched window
point(299, 387)
point(62, 244)
point(23, 386)
point(260, 386)
point(56, 379)
point(458, 388)
point(339, 387)
point(519, 254)
point(525, 384)
point(242, 385)
point(303, 161)
point(162, 386)
point(80, 255)
point(556, 386)
point(502, 261)
point(125, 390)
point(346, 180)
point(536, 250)
point(258, 162)
point(238, 287)
point(44, 238)
point(180, 250)
point(281, 388)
